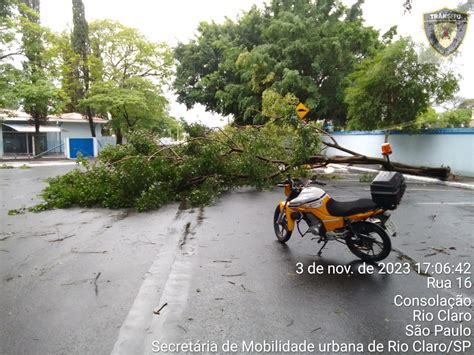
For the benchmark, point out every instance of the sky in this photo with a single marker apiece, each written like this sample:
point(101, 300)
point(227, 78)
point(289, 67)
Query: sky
point(174, 21)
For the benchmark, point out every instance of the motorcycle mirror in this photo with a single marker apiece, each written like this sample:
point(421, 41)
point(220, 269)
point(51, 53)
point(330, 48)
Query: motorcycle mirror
point(386, 149)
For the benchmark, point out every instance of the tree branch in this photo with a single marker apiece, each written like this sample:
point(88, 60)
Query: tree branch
point(148, 72)
point(125, 115)
point(2, 57)
point(259, 157)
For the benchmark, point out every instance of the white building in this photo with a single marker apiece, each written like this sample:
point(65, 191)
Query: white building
point(17, 130)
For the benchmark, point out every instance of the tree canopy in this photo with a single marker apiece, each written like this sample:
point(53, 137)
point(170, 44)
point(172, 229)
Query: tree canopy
point(120, 52)
point(394, 87)
point(255, 69)
point(31, 88)
point(135, 104)
point(101, 66)
point(455, 118)
point(23, 38)
point(8, 28)
point(80, 70)
point(128, 76)
point(297, 47)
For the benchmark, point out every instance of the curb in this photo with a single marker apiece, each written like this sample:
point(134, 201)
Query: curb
point(19, 164)
point(409, 177)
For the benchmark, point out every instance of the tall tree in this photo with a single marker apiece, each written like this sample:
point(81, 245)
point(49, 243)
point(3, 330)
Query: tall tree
point(9, 49)
point(8, 30)
point(120, 52)
point(63, 62)
point(136, 104)
point(33, 5)
point(128, 74)
point(9, 78)
point(303, 48)
point(80, 46)
point(394, 87)
point(36, 92)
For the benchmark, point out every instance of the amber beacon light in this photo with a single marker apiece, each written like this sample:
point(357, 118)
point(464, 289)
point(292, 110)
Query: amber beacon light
point(386, 149)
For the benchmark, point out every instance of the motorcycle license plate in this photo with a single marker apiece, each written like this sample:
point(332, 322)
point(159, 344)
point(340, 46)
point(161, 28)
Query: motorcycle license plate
point(390, 228)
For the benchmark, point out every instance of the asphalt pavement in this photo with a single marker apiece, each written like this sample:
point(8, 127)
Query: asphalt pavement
point(69, 277)
point(86, 281)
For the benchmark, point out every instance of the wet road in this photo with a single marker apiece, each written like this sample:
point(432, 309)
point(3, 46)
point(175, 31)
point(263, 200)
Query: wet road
point(69, 277)
point(245, 285)
point(222, 274)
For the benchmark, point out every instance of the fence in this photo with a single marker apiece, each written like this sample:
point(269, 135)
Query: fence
point(104, 141)
point(453, 147)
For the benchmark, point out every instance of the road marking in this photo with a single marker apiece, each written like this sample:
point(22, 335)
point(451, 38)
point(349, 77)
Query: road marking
point(411, 177)
point(133, 332)
point(167, 281)
point(36, 165)
point(410, 189)
point(447, 203)
point(434, 189)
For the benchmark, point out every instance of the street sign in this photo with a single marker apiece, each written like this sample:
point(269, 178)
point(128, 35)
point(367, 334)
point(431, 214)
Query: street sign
point(301, 110)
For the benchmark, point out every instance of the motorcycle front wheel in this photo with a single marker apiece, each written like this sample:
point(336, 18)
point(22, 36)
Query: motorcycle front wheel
point(281, 229)
point(369, 242)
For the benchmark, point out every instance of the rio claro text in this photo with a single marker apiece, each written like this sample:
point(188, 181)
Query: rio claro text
point(441, 320)
point(439, 317)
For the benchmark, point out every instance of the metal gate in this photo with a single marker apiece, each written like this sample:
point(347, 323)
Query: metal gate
point(86, 147)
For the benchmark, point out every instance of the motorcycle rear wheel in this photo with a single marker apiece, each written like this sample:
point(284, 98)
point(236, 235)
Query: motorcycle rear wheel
point(281, 229)
point(369, 242)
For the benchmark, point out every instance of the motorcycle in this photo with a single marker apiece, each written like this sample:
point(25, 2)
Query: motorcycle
point(364, 224)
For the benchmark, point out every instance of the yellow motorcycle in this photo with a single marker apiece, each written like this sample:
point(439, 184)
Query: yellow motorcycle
point(363, 225)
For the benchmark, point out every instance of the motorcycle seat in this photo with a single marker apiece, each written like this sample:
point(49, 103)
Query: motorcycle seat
point(348, 208)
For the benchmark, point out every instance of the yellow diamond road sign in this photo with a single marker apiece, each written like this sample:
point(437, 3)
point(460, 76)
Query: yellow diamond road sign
point(301, 110)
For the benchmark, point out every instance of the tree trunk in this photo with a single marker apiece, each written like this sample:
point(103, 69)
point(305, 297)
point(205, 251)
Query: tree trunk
point(91, 121)
point(119, 136)
point(440, 173)
point(36, 139)
point(357, 158)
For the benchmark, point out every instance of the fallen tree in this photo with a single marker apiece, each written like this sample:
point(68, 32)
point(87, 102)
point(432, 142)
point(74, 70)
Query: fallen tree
point(439, 173)
point(355, 158)
point(145, 174)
